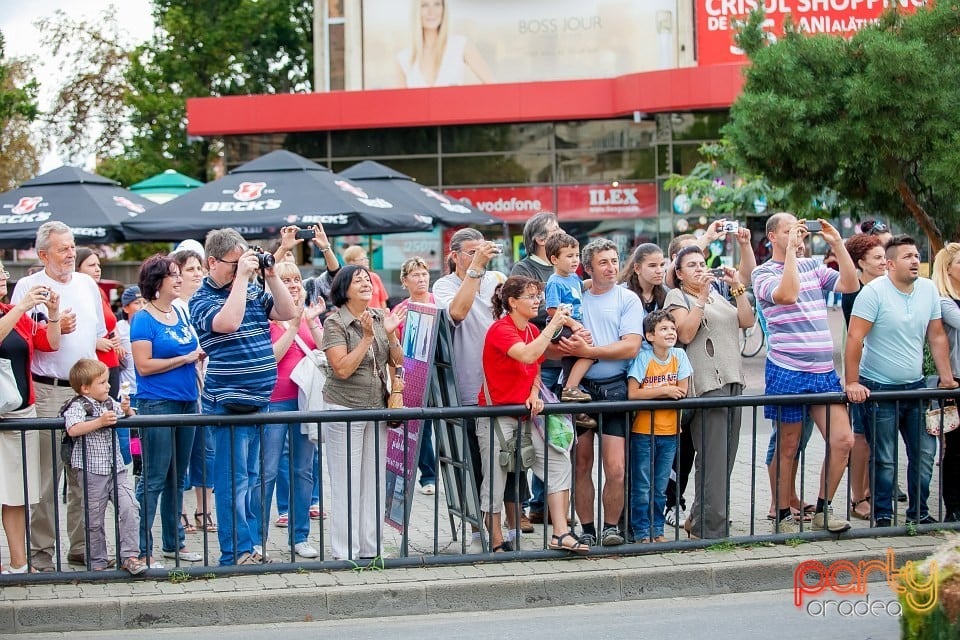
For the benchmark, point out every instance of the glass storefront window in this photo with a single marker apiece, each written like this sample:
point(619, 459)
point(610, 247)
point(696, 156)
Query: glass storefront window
point(606, 166)
point(605, 134)
point(513, 168)
point(423, 170)
point(535, 136)
point(698, 126)
point(369, 143)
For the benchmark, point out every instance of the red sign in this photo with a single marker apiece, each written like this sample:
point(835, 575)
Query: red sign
point(716, 21)
point(605, 201)
point(513, 204)
point(573, 202)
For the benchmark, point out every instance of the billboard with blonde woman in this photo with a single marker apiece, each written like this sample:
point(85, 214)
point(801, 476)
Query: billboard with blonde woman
point(428, 43)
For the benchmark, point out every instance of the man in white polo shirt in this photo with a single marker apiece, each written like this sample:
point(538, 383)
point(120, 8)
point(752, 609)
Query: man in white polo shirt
point(79, 299)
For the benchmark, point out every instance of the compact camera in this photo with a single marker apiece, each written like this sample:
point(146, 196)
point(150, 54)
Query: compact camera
point(264, 259)
point(44, 294)
point(731, 226)
point(565, 306)
point(813, 226)
point(718, 272)
point(498, 246)
point(306, 234)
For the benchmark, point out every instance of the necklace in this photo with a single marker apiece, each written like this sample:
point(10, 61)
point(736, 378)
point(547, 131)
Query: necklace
point(168, 314)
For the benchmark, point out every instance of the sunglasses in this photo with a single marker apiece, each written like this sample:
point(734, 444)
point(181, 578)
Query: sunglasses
point(874, 228)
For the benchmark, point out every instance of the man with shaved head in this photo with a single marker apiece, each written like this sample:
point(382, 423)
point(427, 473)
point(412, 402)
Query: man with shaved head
point(789, 290)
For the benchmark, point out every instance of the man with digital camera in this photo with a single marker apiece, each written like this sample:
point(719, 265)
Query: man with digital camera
point(231, 317)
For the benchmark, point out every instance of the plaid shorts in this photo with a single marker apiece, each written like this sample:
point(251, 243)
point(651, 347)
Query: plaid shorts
point(782, 381)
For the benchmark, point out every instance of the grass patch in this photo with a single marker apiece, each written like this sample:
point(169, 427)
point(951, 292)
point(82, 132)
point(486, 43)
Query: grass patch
point(178, 576)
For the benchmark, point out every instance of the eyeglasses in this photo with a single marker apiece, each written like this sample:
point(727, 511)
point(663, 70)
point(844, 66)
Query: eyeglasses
point(4, 274)
point(530, 297)
point(469, 253)
point(175, 275)
point(227, 261)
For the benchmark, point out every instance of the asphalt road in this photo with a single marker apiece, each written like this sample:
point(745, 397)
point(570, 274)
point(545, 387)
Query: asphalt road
point(746, 616)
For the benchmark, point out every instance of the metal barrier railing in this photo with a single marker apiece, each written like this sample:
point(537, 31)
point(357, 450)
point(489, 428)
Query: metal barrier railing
point(742, 489)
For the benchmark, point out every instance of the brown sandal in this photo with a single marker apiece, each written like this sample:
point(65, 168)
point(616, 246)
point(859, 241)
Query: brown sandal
point(204, 522)
point(187, 526)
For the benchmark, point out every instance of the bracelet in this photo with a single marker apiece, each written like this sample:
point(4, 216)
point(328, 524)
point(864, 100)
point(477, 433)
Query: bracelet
point(739, 291)
point(699, 305)
point(397, 393)
point(52, 320)
point(395, 343)
point(325, 249)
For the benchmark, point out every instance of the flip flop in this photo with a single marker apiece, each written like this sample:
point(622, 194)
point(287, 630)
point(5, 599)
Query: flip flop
point(556, 544)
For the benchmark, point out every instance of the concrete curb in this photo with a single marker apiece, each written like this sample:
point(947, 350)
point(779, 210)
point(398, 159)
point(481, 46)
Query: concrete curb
point(480, 587)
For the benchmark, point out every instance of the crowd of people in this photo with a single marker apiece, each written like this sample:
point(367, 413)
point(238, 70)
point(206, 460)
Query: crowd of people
point(219, 329)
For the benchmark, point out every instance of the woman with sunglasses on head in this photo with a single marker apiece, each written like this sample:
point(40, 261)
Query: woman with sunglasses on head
point(165, 352)
point(512, 353)
point(866, 251)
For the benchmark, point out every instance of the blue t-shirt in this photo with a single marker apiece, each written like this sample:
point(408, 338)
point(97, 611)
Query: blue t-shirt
point(609, 317)
point(565, 290)
point(241, 367)
point(893, 349)
point(167, 341)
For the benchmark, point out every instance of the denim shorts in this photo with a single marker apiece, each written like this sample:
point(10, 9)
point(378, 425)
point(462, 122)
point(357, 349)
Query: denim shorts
point(781, 381)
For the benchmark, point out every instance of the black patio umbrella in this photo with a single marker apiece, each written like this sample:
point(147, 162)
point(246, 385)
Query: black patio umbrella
point(94, 207)
point(278, 189)
point(383, 181)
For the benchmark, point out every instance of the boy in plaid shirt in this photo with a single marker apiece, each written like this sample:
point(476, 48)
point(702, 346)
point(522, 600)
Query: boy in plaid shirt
point(89, 419)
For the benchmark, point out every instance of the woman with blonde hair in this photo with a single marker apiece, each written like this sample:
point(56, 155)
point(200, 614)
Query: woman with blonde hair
point(946, 276)
point(291, 340)
point(437, 57)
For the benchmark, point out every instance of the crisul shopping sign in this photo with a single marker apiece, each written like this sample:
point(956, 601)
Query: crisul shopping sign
point(716, 20)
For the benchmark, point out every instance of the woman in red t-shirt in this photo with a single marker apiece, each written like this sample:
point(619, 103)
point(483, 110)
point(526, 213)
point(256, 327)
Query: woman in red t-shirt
point(512, 353)
point(109, 350)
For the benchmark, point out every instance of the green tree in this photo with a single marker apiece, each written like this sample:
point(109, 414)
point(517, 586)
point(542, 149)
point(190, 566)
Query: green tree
point(88, 113)
point(19, 159)
point(211, 49)
point(873, 118)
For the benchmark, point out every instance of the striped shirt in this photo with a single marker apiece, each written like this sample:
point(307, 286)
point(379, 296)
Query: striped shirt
point(799, 336)
point(241, 367)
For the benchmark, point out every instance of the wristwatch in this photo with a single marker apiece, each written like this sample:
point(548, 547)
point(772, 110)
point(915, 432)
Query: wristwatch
point(473, 273)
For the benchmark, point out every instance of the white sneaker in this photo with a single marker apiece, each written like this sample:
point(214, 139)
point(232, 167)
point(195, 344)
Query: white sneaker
point(185, 556)
point(674, 516)
point(428, 489)
point(14, 570)
point(512, 534)
point(305, 550)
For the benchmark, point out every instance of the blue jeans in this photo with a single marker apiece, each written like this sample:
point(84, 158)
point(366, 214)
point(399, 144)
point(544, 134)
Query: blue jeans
point(235, 474)
point(301, 453)
point(427, 463)
point(315, 496)
point(651, 459)
point(882, 421)
point(283, 479)
point(200, 472)
point(166, 451)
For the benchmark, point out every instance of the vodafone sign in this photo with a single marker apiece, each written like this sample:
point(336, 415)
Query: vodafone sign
point(716, 20)
point(573, 202)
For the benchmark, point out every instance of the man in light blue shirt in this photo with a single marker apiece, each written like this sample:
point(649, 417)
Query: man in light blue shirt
point(614, 317)
point(891, 318)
